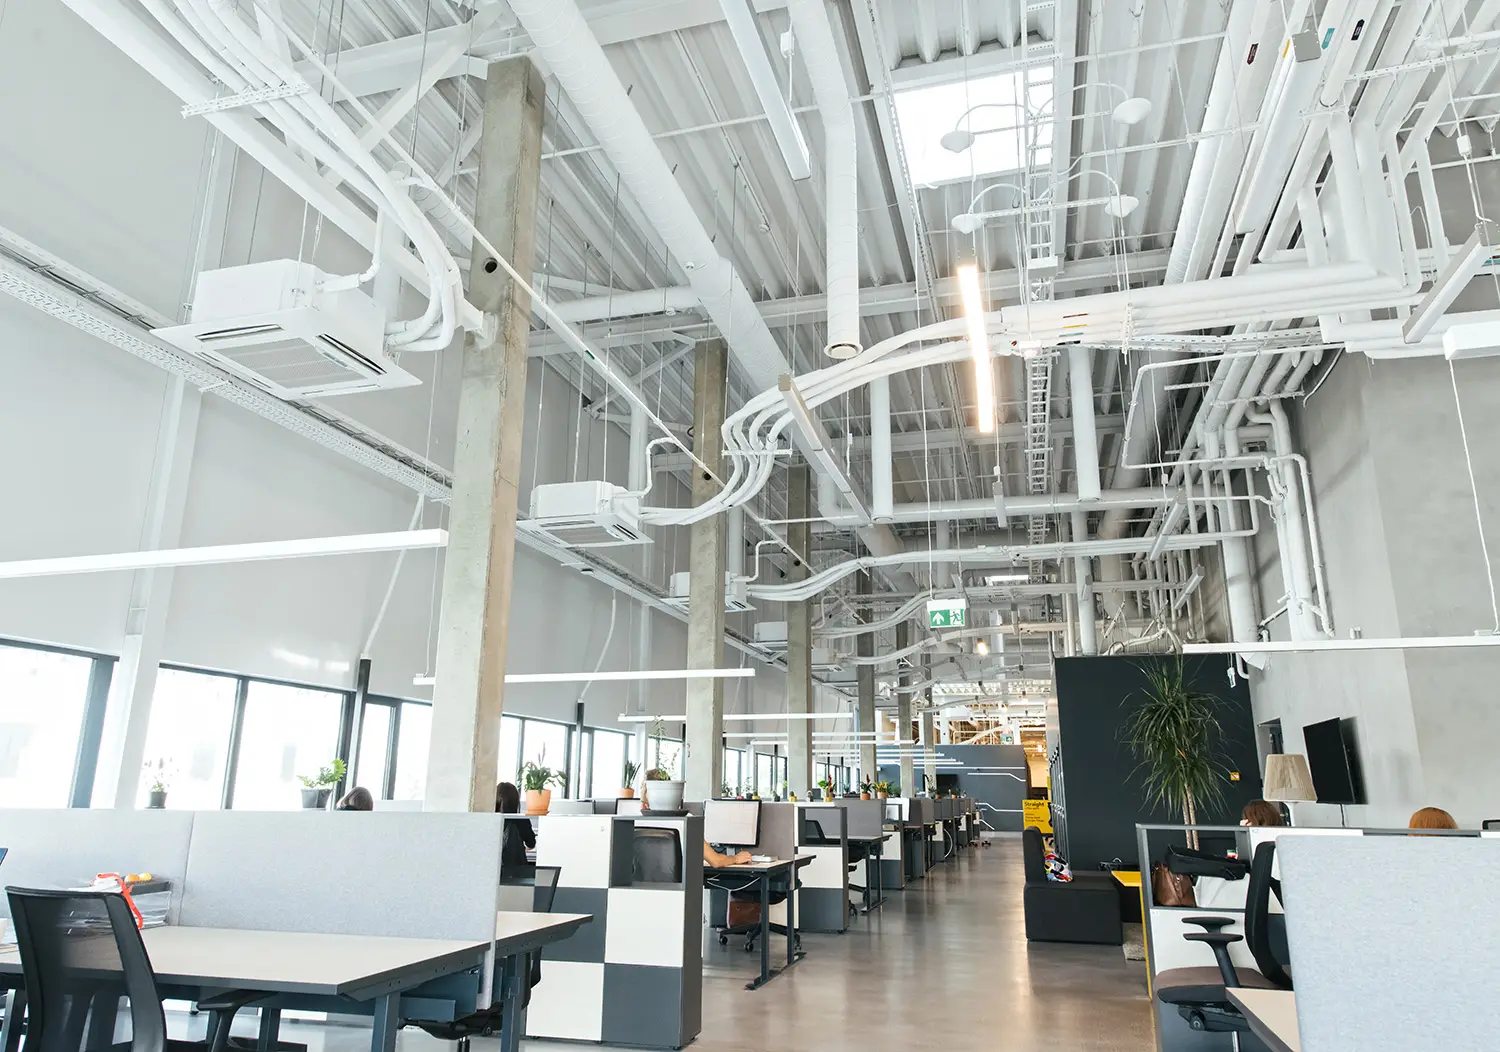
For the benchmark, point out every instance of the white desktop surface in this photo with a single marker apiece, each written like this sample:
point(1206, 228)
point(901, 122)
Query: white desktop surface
point(287, 962)
point(1272, 1015)
point(513, 925)
point(759, 865)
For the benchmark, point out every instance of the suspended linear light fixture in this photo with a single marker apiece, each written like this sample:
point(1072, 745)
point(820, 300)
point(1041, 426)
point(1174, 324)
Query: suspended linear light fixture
point(626, 676)
point(979, 343)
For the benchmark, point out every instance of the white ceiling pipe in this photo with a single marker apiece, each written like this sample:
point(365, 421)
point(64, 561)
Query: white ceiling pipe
point(564, 41)
point(1040, 504)
point(625, 304)
point(825, 71)
point(1085, 441)
point(882, 490)
point(739, 15)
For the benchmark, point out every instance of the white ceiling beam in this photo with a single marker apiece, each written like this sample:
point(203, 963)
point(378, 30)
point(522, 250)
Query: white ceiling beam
point(914, 73)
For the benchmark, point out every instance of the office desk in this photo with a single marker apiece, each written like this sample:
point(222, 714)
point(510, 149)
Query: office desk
point(1272, 1015)
point(763, 875)
point(874, 849)
point(305, 969)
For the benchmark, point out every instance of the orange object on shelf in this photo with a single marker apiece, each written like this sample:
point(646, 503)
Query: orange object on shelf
point(140, 922)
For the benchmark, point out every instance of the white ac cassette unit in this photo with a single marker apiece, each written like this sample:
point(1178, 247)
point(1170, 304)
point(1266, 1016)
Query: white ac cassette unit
point(771, 635)
point(736, 601)
point(825, 660)
point(277, 326)
point(585, 515)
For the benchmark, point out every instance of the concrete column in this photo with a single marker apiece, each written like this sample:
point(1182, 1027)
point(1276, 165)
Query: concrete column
point(799, 691)
point(474, 620)
point(903, 715)
point(703, 762)
point(929, 746)
point(127, 713)
point(1083, 579)
point(864, 678)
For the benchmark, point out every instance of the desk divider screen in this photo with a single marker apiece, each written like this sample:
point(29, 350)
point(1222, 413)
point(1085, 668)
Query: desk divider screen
point(424, 875)
point(778, 830)
point(66, 847)
point(1392, 940)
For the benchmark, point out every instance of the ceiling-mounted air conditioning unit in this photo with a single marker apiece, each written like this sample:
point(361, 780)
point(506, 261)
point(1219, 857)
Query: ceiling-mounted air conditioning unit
point(736, 600)
point(585, 515)
point(825, 660)
point(771, 635)
point(276, 326)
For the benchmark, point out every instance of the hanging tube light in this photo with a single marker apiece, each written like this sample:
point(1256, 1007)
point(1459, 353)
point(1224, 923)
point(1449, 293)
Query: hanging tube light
point(979, 343)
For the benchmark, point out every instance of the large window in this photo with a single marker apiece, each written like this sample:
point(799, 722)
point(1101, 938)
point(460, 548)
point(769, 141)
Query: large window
point(734, 775)
point(607, 769)
point(411, 751)
point(546, 744)
point(509, 769)
point(187, 739)
point(43, 695)
point(665, 752)
point(765, 777)
point(287, 732)
point(391, 760)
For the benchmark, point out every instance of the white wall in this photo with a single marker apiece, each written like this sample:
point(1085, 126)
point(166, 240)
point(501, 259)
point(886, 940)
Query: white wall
point(101, 169)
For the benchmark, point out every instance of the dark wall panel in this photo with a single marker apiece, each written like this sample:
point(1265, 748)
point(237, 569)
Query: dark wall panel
point(994, 775)
point(1101, 795)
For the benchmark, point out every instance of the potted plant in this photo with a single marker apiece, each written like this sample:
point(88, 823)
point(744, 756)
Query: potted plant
point(160, 777)
point(628, 776)
point(882, 790)
point(1174, 734)
point(663, 792)
point(827, 786)
point(537, 779)
point(866, 787)
point(317, 788)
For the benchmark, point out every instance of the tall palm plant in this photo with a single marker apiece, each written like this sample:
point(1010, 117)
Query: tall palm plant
point(1174, 734)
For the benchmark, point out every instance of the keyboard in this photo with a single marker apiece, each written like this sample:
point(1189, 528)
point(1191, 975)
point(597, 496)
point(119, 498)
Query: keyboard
point(762, 858)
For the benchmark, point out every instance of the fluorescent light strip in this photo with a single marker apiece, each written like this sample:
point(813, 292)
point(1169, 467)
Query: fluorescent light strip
point(979, 345)
point(1412, 643)
point(740, 716)
point(627, 676)
point(256, 551)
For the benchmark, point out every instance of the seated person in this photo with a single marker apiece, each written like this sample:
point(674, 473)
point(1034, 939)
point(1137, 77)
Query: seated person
point(1431, 818)
point(356, 799)
point(1261, 813)
point(518, 833)
point(719, 861)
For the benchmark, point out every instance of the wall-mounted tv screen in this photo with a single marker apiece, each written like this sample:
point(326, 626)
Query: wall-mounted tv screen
point(1333, 758)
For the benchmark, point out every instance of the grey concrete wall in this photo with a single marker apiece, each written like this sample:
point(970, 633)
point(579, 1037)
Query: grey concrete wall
point(1403, 557)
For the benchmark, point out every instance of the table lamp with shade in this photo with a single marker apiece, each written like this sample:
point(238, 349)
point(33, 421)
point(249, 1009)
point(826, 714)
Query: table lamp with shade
point(1288, 778)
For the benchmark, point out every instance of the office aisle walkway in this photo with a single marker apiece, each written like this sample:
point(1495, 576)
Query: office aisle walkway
point(945, 966)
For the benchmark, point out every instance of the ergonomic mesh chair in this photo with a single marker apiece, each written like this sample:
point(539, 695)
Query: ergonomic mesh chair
point(1200, 993)
point(657, 856)
point(81, 954)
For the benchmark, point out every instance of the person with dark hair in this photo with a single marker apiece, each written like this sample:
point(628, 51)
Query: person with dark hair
point(518, 834)
point(356, 799)
point(1261, 813)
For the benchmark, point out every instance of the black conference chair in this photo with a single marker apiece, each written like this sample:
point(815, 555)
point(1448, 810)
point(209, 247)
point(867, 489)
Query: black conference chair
point(486, 1022)
point(1199, 994)
point(81, 953)
point(657, 856)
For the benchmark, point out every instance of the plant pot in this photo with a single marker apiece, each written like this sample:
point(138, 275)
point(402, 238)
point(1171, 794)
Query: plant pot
point(665, 796)
point(628, 793)
point(538, 800)
point(827, 797)
point(882, 796)
point(864, 796)
point(315, 799)
point(158, 800)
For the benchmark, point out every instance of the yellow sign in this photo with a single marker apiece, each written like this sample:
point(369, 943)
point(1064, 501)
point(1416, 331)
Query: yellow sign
point(1037, 813)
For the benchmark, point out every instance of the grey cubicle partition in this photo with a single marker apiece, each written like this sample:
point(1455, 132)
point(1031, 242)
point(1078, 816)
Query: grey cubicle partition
point(414, 875)
point(1392, 941)
point(67, 847)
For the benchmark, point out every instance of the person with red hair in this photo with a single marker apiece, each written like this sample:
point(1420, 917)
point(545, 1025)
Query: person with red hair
point(1431, 818)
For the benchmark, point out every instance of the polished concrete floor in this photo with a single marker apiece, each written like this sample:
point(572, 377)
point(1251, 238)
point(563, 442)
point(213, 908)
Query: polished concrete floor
point(943, 966)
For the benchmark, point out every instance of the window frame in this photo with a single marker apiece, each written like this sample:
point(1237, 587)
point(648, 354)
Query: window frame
point(91, 726)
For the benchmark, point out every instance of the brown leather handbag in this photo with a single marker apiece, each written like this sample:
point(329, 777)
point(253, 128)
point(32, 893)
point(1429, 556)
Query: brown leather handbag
point(743, 913)
point(1170, 889)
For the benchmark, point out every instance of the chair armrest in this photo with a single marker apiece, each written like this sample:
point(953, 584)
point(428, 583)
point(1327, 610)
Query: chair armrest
point(1220, 941)
point(1210, 923)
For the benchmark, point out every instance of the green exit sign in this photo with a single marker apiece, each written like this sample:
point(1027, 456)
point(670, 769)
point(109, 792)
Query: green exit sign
point(947, 613)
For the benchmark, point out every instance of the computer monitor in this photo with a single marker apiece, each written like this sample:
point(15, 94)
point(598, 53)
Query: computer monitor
point(629, 807)
point(892, 812)
point(735, 823)
point(607, 806)
point(571, 807)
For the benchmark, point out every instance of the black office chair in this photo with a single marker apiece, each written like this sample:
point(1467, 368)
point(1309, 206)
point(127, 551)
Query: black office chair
point(1199, 994)
point(486, 1022)
point(658, 856)
point(81, 953)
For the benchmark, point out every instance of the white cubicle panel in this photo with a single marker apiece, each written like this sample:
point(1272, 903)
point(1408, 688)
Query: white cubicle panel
point(67, 847)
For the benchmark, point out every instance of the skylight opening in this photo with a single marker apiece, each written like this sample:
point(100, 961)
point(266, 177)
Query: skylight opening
point(1002, 127)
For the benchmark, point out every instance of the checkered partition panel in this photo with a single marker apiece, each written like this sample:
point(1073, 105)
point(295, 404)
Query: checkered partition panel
point(635, 975)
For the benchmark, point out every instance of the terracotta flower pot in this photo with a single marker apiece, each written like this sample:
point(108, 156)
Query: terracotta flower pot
point(864, 796)
point(882, 796)
point(538, 800)
point(628, 793)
